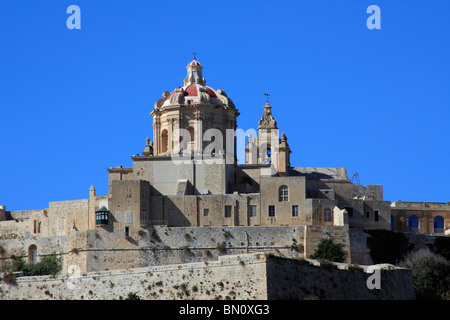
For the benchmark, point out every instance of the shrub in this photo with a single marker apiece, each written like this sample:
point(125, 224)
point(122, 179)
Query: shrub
point(387, 246)
point(431, 274)
point(442, 246)
point(133, 296)
point(327, 250)
point(49, 265)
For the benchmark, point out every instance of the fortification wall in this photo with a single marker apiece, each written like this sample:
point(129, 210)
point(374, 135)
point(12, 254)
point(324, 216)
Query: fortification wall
point(249, 276)
point(309, 279)
point(160, 245)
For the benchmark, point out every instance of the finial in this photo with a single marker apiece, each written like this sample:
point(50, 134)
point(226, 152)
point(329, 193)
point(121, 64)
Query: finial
point(148, 141)
point(194, 53)
point(267, 97)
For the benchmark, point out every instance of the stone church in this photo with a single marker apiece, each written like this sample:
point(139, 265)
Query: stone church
point(189, 176)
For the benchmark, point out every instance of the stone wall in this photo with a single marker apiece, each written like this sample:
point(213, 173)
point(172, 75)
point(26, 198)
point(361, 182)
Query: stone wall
point(59, 245)
point(309, 279)
point(104, 249)
point(161, 245)
point(248, 276)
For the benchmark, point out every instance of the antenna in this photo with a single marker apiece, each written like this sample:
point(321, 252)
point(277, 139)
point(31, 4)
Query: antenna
point(355, 178)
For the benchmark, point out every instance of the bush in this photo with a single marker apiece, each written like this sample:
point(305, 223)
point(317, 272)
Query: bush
point(387, 246)
point(431, 274)
point(133, 296)
point(49, 265)
point(327, 250)
point(442, 246)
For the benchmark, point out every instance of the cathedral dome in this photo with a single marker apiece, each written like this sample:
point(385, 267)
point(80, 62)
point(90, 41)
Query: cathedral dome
point(194, 91)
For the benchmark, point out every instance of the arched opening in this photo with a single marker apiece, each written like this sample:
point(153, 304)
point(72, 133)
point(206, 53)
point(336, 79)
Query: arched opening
point(413, 224)
point(164, 141)
point(265, 153)
point(438, 224)
point(32, 254)
point(191, 133)
point(283, 194)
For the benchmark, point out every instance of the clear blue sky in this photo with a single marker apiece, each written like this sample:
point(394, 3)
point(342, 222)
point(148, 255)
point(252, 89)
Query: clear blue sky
point(76, 102)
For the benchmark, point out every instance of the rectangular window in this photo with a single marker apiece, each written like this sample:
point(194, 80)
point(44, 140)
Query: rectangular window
point(271, 211)
point(128, 192)
point(127, 231)
point(376, 215)
point(129, 217)
point(119, 216)
point(61, 223)
point(227, 211)
point(205, 212)
point(252, 211)
point(171, 213)
point(143, 217)
point(367, 214)
point(295, 210)
point(283, 194)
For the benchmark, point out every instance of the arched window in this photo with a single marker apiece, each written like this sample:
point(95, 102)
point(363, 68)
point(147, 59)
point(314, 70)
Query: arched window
point(327, 215)
point(32, 254)
point(191, 133)
point(438, 224)
point(268, 156)
point(413, 224)
point(164, 141)
point(283, 194)
point(265, 153)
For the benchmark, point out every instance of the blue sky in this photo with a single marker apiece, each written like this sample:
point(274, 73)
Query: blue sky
point(76, 102)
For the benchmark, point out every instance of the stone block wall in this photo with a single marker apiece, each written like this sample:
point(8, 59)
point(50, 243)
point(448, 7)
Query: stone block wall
point(161, 245)
point(309, 279)
point(248, 276)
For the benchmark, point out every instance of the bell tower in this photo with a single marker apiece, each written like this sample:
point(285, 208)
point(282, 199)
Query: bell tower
point(267, 147)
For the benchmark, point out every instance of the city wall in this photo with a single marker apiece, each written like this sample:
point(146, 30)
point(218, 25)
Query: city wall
point(248, 276)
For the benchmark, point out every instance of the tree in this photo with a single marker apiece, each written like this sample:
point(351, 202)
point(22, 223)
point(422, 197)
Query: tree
point(49, 265)
point(442, 245)
point(431, 274)
point(387, 246)
point(327, 250)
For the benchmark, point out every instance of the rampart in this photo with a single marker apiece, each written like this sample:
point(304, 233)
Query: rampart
point(249, 276)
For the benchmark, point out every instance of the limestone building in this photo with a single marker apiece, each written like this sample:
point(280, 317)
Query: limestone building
point(184, 179)
point(188, 176)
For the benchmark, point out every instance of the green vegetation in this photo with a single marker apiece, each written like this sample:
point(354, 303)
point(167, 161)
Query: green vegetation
point(442, 246)
point(49, 265)
point(431, 274)
point(387, 246)
point(133, 296)
point(327, 250)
